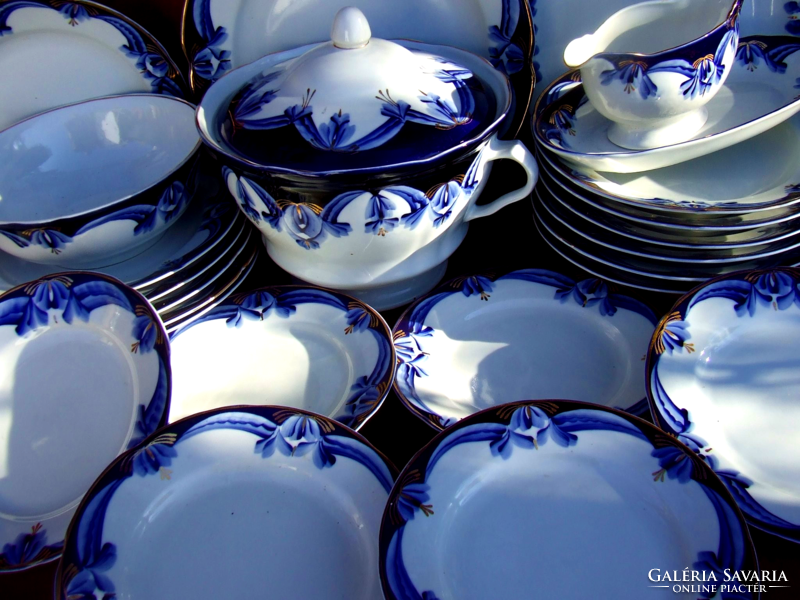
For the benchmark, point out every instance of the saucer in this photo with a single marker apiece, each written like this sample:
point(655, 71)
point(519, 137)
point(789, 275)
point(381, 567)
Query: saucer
point(328, 353)
point(722, 376)
point(484, 340)
point(257, 481)
point(758, 95)
point(58, 53)
point(527, 496)
point(219, 35)
point(86, 375)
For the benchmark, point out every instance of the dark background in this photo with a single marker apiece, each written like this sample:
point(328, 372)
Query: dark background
point(504, 241)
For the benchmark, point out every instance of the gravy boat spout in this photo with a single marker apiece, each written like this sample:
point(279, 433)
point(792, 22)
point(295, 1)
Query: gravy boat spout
point(651, 67)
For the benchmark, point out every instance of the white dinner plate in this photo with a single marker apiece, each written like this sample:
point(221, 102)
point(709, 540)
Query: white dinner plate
point(484, 340)
point(239, 503)
point(551, 499)
point(85, 375)
point(58, 53)
point(328, 353)
point(724, 376)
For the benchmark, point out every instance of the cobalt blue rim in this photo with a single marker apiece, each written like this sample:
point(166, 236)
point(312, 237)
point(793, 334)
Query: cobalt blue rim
point(151, 57)
point(566, 92)
point(589, 292)
point(155, 453)
point(77, 294)
point(496, 426)
point(747, 289)
point(370, 390)
point(210, 127)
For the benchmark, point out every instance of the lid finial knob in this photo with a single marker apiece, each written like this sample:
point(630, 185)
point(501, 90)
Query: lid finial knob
point(350, 29)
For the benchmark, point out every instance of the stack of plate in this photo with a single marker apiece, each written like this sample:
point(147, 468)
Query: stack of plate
point(199, 262)
point(670, 218)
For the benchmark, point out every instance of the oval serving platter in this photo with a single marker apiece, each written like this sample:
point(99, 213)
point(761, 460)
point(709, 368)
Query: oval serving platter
point(305, 347)
point(85, 376)
point(508, 501)
point(478, 341)
point(293, 499)
point(722, 375)
point(57, 53)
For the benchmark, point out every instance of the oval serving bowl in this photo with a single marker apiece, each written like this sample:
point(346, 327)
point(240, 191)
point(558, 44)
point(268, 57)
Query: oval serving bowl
point(722, 376)
point(90, 184)
point(85, 375)
point(294, 498)
point(477, 341)
point(304, 347)
point(514, 497)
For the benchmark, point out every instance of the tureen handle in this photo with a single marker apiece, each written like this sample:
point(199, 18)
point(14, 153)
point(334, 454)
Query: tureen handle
point(350, 29)
point(513, 150)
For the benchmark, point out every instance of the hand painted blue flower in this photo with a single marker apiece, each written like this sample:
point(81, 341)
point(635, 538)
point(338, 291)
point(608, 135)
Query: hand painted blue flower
point(92, 577)
point(530, 427)
point(358, 319)
point(150, 459)
point(255, 201)
point(378, 221)
point(304, 436)
point(674, 462)
point(212, 61)
point(265, 302)
point(443, 201)
point(707, 73)
point(26, 547)
point(675, 335)
point(634, 75)
point(750, 54)
point(304, 225)
point(145, 332)
point(172, 201)
point(50, 238)
point(793, 10)
point(74, 13)
point(477, 284)
point(413, 498)
point(336, 133)
point(777, 289)
point(154, 66)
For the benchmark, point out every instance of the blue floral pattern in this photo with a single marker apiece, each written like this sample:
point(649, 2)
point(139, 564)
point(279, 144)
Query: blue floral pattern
point(529, 426)
point(252, 110)
point(152, 64)
point(28, 548)
point(506, 56)
point(368, 390)
point(212, 60)
point(386, 209)
point(171, 204)
point(89, 557)
point(411, 330)
point(773, 289)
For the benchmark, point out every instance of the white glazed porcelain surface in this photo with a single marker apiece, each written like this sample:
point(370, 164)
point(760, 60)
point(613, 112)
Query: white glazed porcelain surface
point(292, 487)
point(558, 23)
point(728, 356)
point(56, 55)
point(478, 342)
point(191, 231)
point(85, 375)
point(752, 101)
point(327, 354)
point(83, 160)
point(642, 68)
point(521, 495)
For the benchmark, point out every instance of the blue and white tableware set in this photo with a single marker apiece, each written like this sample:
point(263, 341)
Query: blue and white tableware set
point(166, 431)
point(718, 193)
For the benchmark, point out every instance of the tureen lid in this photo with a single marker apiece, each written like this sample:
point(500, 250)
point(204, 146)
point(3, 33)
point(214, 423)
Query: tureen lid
point(356, 95)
